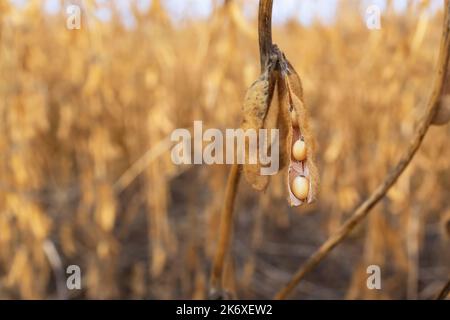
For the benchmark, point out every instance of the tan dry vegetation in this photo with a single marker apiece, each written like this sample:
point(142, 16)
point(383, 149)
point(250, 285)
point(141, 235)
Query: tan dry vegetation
point(83, 120)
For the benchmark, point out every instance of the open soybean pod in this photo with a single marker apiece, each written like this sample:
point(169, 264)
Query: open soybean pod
point(302, 174)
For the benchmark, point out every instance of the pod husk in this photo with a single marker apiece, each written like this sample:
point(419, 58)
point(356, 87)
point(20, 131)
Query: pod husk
point(306, 168)
point(255, 110)
point(268, 105)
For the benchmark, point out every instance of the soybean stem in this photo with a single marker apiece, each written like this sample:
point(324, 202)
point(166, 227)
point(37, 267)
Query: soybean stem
point(265, 31)
point(225, 232)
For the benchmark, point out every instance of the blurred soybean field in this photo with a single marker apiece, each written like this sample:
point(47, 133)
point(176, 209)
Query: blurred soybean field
point(86, 176)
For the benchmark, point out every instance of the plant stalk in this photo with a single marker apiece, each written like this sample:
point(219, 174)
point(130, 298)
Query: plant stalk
point(265, 31)
point(225, 232)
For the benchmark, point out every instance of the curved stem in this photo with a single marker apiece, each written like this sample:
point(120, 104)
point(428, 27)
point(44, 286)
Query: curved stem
point(362, 211)
point(226, 229)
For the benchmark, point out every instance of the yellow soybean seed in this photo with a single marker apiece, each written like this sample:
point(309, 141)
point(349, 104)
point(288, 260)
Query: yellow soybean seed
point(299, 150)
point(300, 187)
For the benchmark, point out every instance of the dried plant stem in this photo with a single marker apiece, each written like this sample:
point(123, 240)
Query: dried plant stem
point(226, 229)
point(444, 292)
point(362, 211)
point(142, 164)
point(55, 262)
point(265, 31)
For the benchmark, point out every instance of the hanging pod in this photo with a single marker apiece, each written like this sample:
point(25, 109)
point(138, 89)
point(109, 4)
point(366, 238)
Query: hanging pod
point(258, 111)
point(275, 101)
point(302, 173)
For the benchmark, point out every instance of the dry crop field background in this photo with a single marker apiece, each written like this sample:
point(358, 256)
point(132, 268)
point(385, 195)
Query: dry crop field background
point(86, 176)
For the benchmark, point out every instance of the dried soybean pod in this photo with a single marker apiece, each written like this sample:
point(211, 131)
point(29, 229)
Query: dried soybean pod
point(294, 81)
point(306, 169)
point(253, 172)
point(285, 125)
point(255, 110)
point(296, 169)
point(256, 103)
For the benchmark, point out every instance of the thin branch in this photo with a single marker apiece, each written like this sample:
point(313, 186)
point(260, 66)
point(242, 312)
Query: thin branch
point(362, 211)
point(226, 229)
point(141, 164)
point(54, 259)
point(444, 292)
